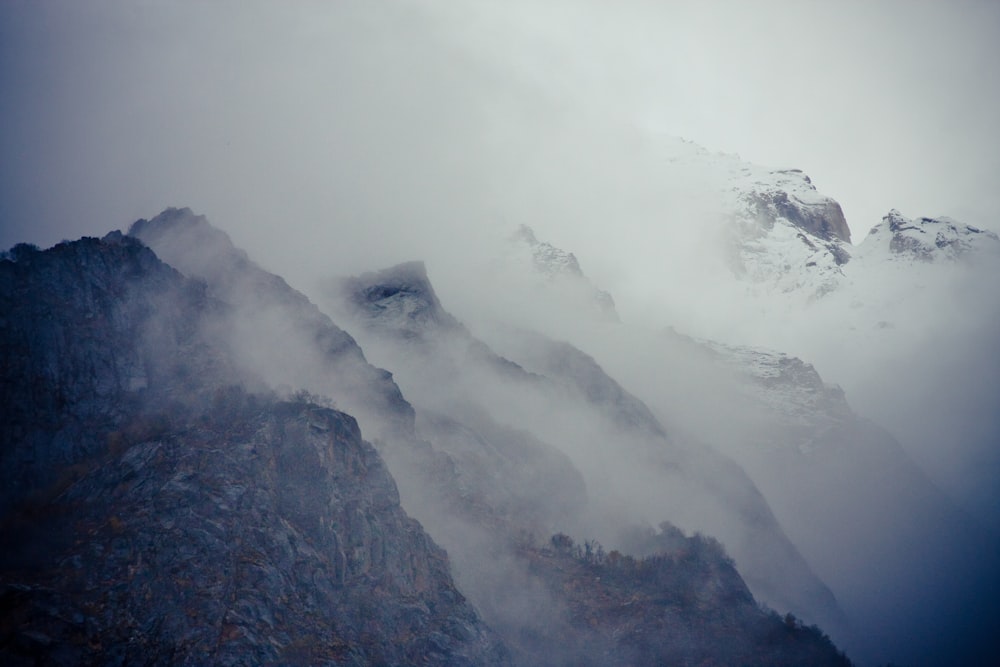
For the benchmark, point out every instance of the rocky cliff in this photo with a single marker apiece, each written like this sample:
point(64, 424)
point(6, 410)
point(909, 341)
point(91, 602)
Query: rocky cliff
point(156, 511)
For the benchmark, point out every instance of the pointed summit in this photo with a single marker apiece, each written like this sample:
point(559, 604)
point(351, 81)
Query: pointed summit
point(561, 273)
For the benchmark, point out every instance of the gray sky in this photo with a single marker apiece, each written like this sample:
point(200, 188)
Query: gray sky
point(357, 118)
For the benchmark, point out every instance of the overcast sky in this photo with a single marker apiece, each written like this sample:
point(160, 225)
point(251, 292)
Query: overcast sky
point(271, 117)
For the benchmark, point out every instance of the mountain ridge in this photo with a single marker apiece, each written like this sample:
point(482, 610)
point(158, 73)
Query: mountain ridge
point(561, 375)
point(183, 519)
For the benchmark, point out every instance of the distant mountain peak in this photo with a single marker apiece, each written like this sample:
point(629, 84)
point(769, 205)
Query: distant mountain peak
point(783, 236)
point(556, 265)
point(928, 239)
point(548, 259)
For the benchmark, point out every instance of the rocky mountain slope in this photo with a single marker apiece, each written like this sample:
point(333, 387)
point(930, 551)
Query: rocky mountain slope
point(563, 397)
point(624, 610)
point(848, 493)
point(804, 446)
point(481, 486)
point(914, 311)
point(155, 511)
point(275, 330)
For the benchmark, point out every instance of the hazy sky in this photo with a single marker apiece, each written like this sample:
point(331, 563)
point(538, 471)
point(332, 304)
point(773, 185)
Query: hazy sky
point(274, 117)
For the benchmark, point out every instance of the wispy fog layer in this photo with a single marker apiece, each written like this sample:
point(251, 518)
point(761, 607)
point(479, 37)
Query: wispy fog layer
point(349, 121)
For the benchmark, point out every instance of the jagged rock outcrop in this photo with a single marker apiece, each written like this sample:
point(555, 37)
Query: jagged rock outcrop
point(785, 388)
point(771, 229)
point(157, 512)
point(400, 302)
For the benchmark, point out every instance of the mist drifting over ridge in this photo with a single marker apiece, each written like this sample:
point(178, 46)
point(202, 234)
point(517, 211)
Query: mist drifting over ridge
point(336, 140)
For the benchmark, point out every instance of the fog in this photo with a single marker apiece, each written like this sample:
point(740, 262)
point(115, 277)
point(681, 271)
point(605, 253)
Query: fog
point(331, 139)
point(356, 116)
point(903, 560)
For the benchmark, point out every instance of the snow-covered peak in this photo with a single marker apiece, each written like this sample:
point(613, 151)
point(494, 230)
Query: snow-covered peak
point(560, 273)
point(786, 235)
point(547, 259)
point(926, 239)
point(779, 235)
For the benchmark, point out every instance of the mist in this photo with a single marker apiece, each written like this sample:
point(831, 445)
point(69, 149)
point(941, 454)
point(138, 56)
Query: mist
point(333, 139)
point(355, 117)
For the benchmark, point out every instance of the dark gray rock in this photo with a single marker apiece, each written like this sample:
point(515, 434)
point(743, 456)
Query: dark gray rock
point(157, 513)
point(90, 331)
point(268, 534)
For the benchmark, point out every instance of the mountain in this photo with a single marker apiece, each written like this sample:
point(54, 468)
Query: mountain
point(908, 310)
point(90, 329)
point(850, 494)
point(785, 235)
point(458, 477)
point(863, 513)
point(926, 239)
point(910, 333)
point(563, 397)
point(157, 511)
point(170, 499)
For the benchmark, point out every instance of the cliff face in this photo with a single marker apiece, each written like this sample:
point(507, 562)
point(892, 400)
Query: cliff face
point(156, 512)
point(264, 534)
point(90, 332)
